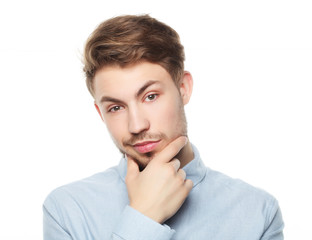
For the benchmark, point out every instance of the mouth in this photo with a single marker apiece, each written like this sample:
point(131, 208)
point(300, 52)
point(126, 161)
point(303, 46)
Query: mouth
point(145, 147)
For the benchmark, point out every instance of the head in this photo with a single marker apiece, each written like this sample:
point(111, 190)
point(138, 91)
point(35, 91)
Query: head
point(134, 69)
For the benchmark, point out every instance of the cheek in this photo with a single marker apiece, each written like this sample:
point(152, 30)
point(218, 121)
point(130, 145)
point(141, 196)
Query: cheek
point(165, 117)
point(116, 128)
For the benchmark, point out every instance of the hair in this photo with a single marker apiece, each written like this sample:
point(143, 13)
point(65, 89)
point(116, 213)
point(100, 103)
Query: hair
point(129, 39)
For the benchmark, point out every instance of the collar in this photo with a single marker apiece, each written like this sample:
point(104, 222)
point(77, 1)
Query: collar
point(195, 169)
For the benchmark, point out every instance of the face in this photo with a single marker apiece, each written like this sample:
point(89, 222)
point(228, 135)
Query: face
point(142, 107)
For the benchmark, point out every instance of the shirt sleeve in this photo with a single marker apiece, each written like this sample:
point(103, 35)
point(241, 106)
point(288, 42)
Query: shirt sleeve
point(52, 230)
point(275, 224)
point(133, 225)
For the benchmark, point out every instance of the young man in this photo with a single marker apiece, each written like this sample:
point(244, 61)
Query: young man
point(161, 189)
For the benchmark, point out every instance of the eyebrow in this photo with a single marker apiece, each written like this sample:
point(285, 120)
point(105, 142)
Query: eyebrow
point(145, 86)
point(139, 92)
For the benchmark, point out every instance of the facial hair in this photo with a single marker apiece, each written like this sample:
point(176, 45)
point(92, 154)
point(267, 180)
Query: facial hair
point(143, 159)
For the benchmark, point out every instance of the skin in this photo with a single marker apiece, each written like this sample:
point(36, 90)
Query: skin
point(140, 103)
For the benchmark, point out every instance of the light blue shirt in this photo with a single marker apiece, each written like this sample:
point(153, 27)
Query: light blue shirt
point(217, 208)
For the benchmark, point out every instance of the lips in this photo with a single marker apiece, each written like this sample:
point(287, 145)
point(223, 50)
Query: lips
point(145, 147)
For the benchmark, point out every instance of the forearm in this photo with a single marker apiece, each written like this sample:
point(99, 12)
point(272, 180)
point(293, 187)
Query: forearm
point(135, 225)
point(130, 225)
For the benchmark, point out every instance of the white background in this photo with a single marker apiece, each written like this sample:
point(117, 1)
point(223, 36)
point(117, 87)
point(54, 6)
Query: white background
point(250, 115)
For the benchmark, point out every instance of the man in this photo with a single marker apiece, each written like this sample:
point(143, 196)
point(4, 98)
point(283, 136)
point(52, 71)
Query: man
point(161, 189)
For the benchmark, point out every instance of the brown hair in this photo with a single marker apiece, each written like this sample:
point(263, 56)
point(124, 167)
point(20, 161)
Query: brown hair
point(125, 40)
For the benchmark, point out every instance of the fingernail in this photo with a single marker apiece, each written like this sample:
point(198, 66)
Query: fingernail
point(186, 140)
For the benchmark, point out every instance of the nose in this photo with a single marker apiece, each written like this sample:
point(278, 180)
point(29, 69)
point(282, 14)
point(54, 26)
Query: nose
point(137, 121)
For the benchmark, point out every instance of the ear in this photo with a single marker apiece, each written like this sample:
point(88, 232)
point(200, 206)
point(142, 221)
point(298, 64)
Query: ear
point(98, 110)
point(186, 87)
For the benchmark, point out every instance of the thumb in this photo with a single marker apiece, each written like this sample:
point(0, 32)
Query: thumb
point(132, 167)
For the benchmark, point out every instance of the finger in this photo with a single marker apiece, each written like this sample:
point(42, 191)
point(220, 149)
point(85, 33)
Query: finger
point(132, 166)
point(175, 163)
point(171, 150)
point(182, 174)
point(188, 184)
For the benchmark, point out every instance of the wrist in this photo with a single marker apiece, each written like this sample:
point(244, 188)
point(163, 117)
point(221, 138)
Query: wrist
point(150, 213)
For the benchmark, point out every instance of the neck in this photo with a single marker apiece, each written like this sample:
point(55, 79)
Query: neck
point(186, 154)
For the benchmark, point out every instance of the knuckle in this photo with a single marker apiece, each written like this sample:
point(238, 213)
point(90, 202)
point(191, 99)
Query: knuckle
point(176, 163)
point(180, 181)
point(182, 173)
point(189, 184)
point(171, 170)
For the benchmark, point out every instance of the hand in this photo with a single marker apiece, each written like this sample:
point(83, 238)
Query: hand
point(160, 189)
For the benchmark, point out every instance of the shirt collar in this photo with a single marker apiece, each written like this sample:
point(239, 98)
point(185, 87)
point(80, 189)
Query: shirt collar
point(195, 169)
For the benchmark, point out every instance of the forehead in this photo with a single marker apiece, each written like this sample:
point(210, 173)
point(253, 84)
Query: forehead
point(116, 81)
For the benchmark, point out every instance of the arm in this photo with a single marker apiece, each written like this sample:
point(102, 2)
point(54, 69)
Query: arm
point(160, 189)
point(155, 195)
point(275, 224)
point(135, 225)
point(131, 225)
point(52, 229)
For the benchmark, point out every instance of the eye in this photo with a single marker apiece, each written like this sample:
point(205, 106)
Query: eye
point(115, 109)
point(151, 97)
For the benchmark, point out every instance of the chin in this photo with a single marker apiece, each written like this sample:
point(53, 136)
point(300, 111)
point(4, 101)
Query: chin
point(144, 160)
point(141, 159)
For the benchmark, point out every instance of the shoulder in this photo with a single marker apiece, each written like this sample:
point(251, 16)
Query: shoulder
point(241, 194)
point(240, 202)
point(99, 183)
point(223, 181)
point(95, 198)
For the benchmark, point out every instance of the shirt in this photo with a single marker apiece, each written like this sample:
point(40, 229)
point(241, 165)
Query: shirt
point(218, 208)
